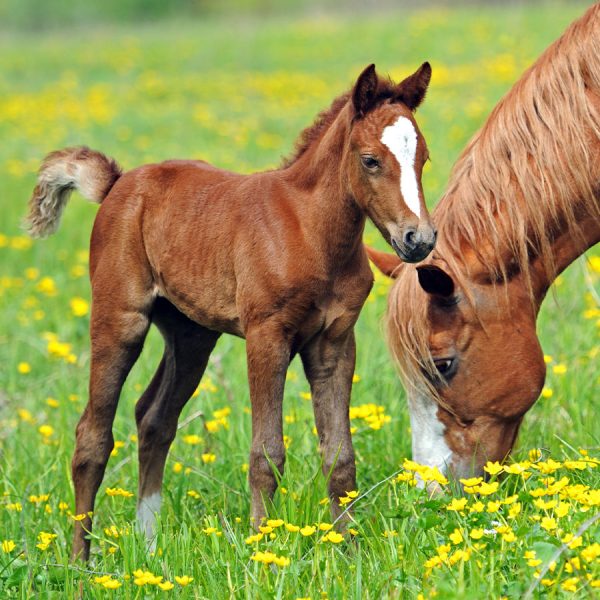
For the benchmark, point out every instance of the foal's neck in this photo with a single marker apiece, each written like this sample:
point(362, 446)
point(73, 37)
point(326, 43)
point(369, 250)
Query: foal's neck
point(331, 214)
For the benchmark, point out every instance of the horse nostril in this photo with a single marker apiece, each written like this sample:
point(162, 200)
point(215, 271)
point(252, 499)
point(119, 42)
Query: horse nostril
point(411, 238)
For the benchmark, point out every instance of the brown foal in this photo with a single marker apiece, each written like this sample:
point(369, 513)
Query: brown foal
point(273, 257)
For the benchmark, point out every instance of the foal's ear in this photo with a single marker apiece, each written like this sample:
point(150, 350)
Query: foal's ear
point(412, 90)
point(436, 281)
point(364, 93)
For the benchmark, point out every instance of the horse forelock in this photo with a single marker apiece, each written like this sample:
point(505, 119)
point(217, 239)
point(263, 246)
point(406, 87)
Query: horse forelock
point(528, 173)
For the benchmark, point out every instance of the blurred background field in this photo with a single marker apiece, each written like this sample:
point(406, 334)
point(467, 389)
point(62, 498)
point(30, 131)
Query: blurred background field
point(146, 81)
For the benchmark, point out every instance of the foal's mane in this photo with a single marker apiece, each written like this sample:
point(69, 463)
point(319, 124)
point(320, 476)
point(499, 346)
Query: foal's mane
point(325, 118)
point(523, 178)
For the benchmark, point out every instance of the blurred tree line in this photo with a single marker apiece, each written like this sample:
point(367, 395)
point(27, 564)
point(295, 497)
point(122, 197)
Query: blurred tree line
point(52, 14)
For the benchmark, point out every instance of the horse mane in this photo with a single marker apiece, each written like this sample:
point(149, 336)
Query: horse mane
point(523, 178)
point(326, 117)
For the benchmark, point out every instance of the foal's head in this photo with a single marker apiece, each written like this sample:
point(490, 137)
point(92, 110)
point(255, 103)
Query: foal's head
point(385, 159)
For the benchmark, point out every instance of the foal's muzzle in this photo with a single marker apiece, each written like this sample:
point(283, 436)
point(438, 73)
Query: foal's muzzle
point(416, 243)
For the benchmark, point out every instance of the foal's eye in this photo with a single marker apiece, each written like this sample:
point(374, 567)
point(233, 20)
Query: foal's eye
point(446, 366)
point(369, 162)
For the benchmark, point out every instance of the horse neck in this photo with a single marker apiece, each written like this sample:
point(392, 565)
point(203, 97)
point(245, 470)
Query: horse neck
point(566, 248)
point(324, 199)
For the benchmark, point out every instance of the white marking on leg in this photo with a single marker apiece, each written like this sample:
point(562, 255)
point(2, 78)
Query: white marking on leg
point(147, 510)
point(401, 139)
point(428, 441)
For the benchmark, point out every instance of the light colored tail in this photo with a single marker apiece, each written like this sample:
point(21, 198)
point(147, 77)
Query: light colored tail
point(91, 173)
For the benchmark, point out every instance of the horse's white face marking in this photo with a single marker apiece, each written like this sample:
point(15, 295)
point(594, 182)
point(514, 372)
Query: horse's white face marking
point(401, 139)
point(428, 442)
point(147, 509)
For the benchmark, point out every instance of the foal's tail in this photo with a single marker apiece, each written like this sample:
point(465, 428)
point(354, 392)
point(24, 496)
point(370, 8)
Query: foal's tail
point(91, 173)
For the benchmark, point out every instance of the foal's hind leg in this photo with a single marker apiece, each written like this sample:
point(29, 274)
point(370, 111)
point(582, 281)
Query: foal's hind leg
point(187, 349)
point(118, 327)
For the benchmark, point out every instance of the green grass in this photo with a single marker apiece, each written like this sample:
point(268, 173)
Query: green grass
point(237, 94)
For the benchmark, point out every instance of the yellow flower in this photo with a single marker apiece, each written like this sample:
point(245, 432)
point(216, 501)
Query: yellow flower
point(307, 530)
point(472, 481)
point(47, 286)
point(265, 529)
point(79, 306)
point(208, 457)
point(570, 585)
point(325, 526)
point(477, 507)
point(177, 467)
point(493, 506)
point(184, 580)
point(292, 528)
point(547, 392)
point(535, 454)
point(112, 584)
point(52, 402)
point(516, 468)
point(274, 523)
point(485, 489)
point(476, 534)
point(456, 536)
point(509, 536)
point(514, 510)
point(254, 538)
point(8, 546)
point(559, 369)
point(333, 537)
point(166, 586)
point(192, 439)
point(24, 368)
point(457, 504)
point(118, 492)
point(562, 510)
point(493, 468)
point(46, 430)
point(548, 523)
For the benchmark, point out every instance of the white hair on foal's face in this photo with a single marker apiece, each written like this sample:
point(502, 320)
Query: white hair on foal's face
point(401, 139)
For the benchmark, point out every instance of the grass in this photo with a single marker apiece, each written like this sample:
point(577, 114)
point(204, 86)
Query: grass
point(238, 93)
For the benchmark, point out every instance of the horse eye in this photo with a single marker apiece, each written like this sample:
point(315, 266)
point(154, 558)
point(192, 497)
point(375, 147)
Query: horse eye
point(445, 366)
point(369, 162)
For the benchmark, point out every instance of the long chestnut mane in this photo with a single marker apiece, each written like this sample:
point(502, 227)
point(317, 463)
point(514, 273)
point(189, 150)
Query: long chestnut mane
point(523, 179)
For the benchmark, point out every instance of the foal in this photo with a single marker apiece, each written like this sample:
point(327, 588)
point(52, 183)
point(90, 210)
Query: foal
point(274, 257)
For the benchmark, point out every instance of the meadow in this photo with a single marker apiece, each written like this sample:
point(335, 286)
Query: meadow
point(237, 93)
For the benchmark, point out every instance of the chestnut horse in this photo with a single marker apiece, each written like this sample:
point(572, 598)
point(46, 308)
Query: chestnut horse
point(521, 205)
point(275, 257)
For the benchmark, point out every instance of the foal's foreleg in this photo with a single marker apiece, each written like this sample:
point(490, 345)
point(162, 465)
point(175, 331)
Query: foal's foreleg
point(117, 337)
point(268, 359)
point(187, 350)
point(329, 366)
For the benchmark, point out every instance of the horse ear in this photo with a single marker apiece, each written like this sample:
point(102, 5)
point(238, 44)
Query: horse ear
point(435, 281)
point(387, 263)
point(412, 90)
point(365, 91)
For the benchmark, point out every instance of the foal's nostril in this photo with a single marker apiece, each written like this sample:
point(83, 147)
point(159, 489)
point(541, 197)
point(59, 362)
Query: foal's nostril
point(411, 238)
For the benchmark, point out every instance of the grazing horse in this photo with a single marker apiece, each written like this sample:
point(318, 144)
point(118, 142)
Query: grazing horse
point(522, 204)
point(274, 257)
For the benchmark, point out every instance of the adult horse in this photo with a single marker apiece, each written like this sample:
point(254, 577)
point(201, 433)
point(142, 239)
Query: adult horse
point(273, 257)
point(521, 205)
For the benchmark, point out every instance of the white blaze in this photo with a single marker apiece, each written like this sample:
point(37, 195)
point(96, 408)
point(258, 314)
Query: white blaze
point(401, 139)
point(147, 509)
point(428, 442)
